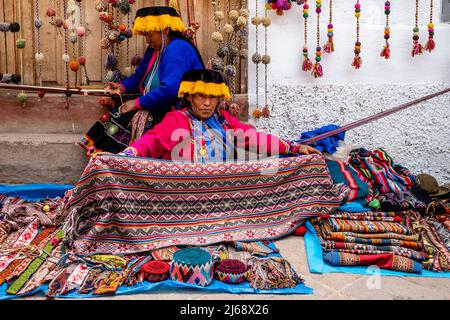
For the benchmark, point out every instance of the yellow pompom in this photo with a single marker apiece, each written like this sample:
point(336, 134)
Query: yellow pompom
point(266, 21)
point(256, 20)
point(233, 15)
point(217, 37)
point(228, 28)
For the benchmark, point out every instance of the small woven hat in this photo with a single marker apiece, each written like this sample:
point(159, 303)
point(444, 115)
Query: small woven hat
point(430, 185)
point(157, 19)
point(231, 271)
point(205, 81)
point(192, 265)
point(155, 270)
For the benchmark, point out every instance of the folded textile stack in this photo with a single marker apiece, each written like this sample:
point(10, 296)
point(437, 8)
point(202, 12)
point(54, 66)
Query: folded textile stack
point(370, 238)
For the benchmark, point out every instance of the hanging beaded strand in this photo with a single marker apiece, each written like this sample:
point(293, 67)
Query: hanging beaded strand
point(20, 44)
point(357, 61)
point(66, 57)
point(266, 22)
point(386, 52)
point(307, 64)
point(317, 71)
point(82, 34)
point(417, 47)
point(430, 45)
point(256, 58)
point(39, 56)
point(328, 47)
point(71, 22)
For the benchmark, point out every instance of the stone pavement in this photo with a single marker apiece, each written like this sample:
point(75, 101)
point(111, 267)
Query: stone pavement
point(331, 286)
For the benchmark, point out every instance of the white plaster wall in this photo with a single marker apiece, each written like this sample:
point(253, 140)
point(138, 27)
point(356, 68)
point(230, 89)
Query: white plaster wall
point(418, 138)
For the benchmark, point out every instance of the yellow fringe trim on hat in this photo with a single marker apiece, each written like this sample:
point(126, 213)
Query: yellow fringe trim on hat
point(157, 23)
point(213, 89)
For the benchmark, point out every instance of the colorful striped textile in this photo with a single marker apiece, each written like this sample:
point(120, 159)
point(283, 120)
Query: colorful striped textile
point(378, 170)
point(366, 226)
point(128, 205)
point(384, 261)
point(386, 239)
point(370, 249)
point(342, 173)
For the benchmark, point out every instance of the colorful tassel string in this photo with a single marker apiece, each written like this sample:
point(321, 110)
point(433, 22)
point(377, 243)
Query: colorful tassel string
point(317, 69)
point(430, 45)
point(417, 47)
point(328, 47)
point(357, 61)
point(386, 52)
point(307, 64)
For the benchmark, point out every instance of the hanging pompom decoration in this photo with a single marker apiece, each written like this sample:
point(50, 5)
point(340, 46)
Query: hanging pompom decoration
point(357, 61)
point(430, 45)
point(417, 47)
point(266, 22)
point(328, 47)
point(20, 43)
point(66, 58)
point(14, 27)
point(39, 57)
point(41, 94)
point(256, 59)
point(386, 52)
point(317, 71)
point(22, 97)
point(74, 65)
point(307, 64)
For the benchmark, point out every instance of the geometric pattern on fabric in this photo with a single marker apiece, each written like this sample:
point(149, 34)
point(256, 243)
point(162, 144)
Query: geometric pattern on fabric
point(130, 204)
point(192, 265)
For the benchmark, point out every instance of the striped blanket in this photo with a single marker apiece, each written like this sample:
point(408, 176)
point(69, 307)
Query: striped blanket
point(127, 205)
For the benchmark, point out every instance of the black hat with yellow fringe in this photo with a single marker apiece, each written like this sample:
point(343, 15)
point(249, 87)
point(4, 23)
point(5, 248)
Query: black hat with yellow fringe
point(157, 19)
point(204, 81)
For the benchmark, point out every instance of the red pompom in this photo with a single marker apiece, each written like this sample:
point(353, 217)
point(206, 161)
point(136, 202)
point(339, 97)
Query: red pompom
point(300, 231)
point(398, 219)
point(82, 60)
point(41, 94)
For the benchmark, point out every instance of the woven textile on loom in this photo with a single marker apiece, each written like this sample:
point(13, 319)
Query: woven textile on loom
point(128, 205)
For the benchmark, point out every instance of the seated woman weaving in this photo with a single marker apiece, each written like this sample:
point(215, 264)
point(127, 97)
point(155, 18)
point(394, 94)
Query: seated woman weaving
point(168, 56)
point(202, 133)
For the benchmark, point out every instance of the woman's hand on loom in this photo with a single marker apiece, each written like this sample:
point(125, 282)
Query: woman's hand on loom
point(113, 88)
point(98, 154)
point(127, 107)
point(298, 148)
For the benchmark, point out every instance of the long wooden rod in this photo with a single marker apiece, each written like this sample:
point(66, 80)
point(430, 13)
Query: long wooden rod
point(95, 92)
point(373, 118)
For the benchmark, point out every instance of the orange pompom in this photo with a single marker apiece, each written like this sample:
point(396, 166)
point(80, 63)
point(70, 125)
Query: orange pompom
point(74, 65)
point(122, 28)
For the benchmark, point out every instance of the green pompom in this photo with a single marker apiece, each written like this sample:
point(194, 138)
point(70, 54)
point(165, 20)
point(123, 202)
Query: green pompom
point(20, 43)
point(375, 204)
point(22, 97)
